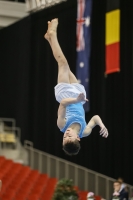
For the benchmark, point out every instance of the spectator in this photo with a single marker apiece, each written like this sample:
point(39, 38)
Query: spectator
point(122, 194)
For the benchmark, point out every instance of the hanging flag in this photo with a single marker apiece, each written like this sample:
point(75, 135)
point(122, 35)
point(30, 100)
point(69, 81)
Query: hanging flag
point(112, 37)
point(84, 8)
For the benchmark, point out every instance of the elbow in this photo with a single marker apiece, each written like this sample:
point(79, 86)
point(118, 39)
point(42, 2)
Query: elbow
point(96, 116)
point(63, 103)
point(96, 119)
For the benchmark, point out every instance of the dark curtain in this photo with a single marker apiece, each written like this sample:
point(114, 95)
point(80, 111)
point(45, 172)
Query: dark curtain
point(29, 74)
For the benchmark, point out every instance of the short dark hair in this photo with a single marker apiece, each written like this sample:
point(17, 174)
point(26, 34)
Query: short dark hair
point(72, 148)
point(120, 178)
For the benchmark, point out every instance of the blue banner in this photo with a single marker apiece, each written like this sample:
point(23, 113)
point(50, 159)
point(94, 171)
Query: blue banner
point(84, 10)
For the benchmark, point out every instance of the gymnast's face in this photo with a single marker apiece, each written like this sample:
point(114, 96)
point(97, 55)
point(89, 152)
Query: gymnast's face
point(70, 135)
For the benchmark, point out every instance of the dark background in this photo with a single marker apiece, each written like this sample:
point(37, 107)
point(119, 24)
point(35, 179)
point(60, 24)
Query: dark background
point(21, 1)
point(28, 74)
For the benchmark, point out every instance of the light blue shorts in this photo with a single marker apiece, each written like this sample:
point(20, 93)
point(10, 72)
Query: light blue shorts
point(67, 90)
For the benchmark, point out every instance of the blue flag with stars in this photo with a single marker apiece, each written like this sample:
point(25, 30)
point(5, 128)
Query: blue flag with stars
point(84, 45)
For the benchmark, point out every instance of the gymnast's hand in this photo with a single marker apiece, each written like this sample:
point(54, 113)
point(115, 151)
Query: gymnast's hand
point(81, 97)
point(104, 131)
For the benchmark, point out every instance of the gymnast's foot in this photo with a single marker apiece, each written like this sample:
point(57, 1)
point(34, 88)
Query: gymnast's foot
point(52, 29)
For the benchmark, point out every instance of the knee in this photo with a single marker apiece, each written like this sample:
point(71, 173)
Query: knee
point(62, 62)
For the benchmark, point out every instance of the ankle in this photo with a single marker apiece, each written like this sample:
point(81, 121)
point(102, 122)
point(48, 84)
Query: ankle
point(52, 33)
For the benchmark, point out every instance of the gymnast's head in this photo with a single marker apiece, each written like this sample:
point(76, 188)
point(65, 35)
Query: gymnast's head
point(71, 145)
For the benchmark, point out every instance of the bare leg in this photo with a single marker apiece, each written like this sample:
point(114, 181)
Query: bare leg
point(63, 67)
point(64, 72)
point(72, 77)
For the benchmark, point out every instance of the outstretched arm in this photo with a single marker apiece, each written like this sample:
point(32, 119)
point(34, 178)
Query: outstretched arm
point(95, 120)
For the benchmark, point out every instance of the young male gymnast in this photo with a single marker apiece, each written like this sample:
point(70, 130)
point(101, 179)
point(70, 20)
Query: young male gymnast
point(71, 95)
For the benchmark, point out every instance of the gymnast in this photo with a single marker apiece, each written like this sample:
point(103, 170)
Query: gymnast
point(71, 95)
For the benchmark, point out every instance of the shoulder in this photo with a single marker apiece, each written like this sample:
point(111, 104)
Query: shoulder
point(123, 191)
point(124, 194)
